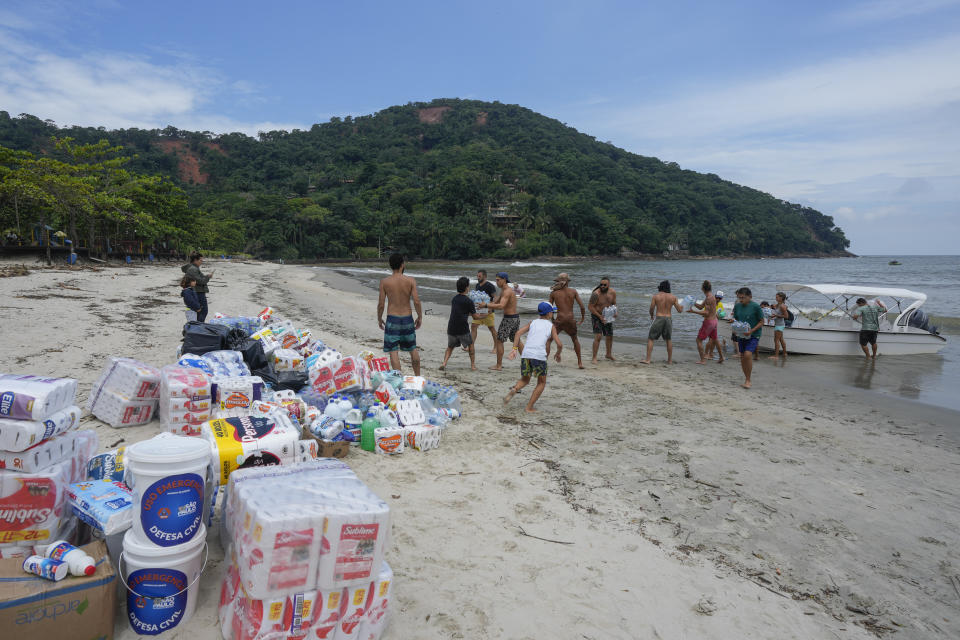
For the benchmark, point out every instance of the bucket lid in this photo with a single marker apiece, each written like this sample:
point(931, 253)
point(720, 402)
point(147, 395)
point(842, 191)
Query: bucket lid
point(134, 544)
point(168, 447)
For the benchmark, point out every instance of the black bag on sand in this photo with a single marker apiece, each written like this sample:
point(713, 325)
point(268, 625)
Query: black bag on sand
point(293, 380)
point(200, 337)
point(266, 373)
point(235, 339)
point(252, 351)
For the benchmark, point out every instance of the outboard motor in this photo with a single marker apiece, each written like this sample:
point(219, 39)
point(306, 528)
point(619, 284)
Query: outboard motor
point(921, 321)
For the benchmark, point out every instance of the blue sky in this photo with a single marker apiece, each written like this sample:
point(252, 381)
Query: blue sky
point(852, 108)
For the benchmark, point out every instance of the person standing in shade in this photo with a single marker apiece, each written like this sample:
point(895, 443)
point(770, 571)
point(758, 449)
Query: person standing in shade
point(192, 269)
point(869, 317)
point(458, 332)
point(661, 312)
point(563, 296)
point(399, 331)
point(510, 323)
point(483, 318)
point(603, 296)
point(746, 310)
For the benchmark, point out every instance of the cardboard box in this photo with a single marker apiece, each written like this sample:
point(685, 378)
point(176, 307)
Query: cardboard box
point(327, 449)
point(33, 608)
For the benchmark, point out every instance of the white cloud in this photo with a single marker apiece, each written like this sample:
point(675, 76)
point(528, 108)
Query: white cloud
point(852, 87)
point(116, 90)
point(882, 10)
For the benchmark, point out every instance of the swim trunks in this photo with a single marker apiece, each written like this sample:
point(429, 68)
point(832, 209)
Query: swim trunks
point(508, 328)
point(568, 326)
point(708, 330)
point(661, 328)
point(399, 334)
point(867, 337)
point(485, 321)
point(464, 341)
point(604, 329)
point(533, 368)
point(748, 344)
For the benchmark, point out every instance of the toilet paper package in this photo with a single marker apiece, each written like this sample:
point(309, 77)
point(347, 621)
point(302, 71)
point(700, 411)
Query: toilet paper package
point(313, 527)
point(353, 609)
point(233, 396)
point(388, 440)
point(49, 452)
point(377, 614)
point(128, 378)
point(300, 614)
point(321, 380)
point(249, 441)
point(29, 397)
point(32, 505)
point(287, 360)
point(106, 506)
point(18, 435)
point(106, 466)
point(185, 382)
point(186, 423)
point(422, 437)
point(121, 411)
point(226, 363)
point(346, 376)
point(191, 361)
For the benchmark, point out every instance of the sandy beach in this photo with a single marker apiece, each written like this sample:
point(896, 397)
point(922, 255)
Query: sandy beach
point(640, 502)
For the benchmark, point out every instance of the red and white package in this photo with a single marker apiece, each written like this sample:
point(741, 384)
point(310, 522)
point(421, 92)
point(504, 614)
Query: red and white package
point(346, 377)
point(377, 614)
point(321, 379)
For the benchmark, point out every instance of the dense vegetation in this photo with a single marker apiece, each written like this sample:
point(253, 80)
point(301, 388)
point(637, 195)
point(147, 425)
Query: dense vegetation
point(427, 179)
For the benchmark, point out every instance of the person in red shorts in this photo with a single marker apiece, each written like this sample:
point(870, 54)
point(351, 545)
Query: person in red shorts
point(708, 330)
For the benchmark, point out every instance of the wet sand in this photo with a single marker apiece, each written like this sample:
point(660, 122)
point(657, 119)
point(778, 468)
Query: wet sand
point(641, 502)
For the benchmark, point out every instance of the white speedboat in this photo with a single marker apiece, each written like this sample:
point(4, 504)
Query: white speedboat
point(904, 327)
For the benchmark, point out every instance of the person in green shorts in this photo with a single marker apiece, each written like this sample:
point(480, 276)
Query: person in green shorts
point(869, 317)
point(661, 309)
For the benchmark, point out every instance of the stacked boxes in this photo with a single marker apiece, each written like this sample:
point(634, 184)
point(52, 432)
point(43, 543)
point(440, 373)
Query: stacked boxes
point(126, 393)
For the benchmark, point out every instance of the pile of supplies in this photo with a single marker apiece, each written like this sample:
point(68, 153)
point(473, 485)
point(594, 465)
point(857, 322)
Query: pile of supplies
point(306, 547)
point(41, 453)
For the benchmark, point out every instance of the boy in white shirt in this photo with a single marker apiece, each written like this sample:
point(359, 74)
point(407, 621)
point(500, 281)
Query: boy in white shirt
point(534, 353)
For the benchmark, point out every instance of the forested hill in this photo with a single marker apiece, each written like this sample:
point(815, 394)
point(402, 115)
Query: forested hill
point(447, 179)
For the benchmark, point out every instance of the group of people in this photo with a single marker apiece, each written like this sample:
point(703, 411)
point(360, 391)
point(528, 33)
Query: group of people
point(558, 315)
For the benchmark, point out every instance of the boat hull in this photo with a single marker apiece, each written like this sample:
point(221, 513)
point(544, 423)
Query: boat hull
point(846, 342)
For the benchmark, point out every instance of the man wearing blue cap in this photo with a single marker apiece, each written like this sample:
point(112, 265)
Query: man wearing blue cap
point(534, 353)
point(507, 300)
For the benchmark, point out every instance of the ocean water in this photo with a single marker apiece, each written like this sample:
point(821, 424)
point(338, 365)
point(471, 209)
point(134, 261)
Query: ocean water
point(928, 379)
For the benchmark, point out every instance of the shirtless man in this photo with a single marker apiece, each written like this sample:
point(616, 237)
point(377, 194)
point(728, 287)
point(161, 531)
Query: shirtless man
point(601, 298)
point(708, 330)
point(662, 303)
point(562, 297)
point(511, 319)
point(399, 331)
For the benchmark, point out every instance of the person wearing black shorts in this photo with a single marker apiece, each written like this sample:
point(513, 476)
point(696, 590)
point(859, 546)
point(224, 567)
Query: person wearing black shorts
point(458, 327)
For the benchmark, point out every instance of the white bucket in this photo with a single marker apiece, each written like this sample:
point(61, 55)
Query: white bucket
point(161, 582)
point(168, 476)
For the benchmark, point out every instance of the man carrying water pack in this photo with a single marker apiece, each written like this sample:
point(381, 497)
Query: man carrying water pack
point(708, 330)
point(603, 296)
point(484, 319)
point(399, 331)
point(563, 296)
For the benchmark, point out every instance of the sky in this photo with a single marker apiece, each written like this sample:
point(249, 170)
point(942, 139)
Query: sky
point(852, 108)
